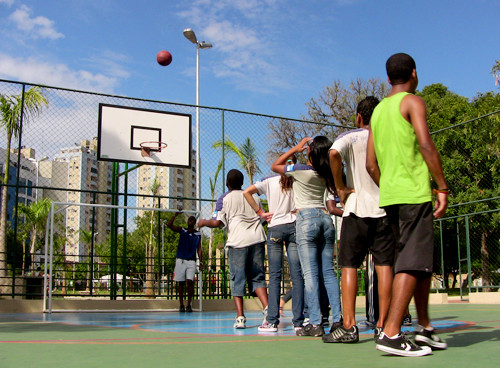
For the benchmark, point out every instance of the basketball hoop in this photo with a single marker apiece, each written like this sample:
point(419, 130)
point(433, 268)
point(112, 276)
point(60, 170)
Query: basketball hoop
point(149, 148)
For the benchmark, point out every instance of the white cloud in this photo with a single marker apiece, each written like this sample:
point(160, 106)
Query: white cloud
point(7, 2)
point(36, 27)
point(36, 71)
point(239, 29)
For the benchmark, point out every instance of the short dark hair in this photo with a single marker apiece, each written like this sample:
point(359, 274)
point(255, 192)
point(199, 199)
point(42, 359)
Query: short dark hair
point(365, 108)
point(234, 179)
point(399, 68)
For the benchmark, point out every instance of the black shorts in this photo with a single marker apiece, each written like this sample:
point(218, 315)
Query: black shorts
point(360, 235)
point(413, 228)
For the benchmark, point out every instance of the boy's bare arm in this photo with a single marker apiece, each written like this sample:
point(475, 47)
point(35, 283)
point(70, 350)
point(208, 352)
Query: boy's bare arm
point(336, 166)
point(210, 223)
point(414, 108)
point(371, 159)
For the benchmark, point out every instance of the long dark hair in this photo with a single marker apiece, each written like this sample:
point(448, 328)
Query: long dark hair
point(318, 154)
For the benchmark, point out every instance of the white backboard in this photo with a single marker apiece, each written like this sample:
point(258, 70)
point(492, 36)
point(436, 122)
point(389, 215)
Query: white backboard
point(122, 129)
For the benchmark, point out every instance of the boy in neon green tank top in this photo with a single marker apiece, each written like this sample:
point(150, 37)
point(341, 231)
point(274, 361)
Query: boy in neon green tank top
point(400, 154)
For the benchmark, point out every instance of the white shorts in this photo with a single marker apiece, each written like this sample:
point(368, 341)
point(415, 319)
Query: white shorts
point(184, 270)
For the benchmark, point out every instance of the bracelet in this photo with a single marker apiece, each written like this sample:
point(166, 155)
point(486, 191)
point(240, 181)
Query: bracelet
point(444, 191)
point(260, 212)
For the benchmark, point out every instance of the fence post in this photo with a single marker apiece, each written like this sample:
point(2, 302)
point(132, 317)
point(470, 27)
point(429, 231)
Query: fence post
point(467, 242)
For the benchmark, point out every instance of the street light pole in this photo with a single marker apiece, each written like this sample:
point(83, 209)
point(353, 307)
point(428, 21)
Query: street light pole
point(191, 36)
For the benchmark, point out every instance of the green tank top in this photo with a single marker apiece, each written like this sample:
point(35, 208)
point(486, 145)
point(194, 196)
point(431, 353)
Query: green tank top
point(404, 175)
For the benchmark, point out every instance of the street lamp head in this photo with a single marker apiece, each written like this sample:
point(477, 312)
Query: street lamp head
point(189, 34)
point(205, 45)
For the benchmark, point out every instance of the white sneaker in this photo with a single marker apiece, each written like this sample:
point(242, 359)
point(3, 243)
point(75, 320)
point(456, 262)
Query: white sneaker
point(268, 327)
point(306, 321)
point(240, 322)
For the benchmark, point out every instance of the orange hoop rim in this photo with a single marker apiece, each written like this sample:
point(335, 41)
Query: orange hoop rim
point(159, 147)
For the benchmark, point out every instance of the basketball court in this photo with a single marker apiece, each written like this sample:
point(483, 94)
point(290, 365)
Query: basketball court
point(207, 339)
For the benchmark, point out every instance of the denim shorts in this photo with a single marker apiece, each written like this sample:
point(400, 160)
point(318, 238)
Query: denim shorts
point(246, 264)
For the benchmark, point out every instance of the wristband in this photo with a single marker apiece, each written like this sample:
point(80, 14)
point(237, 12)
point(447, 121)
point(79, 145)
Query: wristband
point(260, 212)
point(437, 191)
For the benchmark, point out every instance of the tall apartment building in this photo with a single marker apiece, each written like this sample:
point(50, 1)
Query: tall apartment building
point(173, 182)
point(85, 173)
point(27, 179)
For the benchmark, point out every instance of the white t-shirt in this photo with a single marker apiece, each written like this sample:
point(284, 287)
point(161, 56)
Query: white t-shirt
point(364, 201)
point(280, 203)
point(242, 223)
point(308, 187)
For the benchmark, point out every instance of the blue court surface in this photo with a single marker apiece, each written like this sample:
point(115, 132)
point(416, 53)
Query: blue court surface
point(217, 323)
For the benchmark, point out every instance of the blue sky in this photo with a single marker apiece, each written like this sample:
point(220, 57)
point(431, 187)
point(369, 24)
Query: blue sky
point(269, 56)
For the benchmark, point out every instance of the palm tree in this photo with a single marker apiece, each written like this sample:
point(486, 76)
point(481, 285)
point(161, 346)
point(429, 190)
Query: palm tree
point(36, 215)
point(246, 153)
point(14, 109)
point(213, 191)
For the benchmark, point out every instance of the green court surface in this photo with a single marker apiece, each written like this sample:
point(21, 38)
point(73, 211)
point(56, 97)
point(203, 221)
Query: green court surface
point(207, 339)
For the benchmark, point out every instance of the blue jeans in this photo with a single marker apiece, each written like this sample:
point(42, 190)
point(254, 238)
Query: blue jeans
point(246, 264)
point(316, 238)
point(276, 237)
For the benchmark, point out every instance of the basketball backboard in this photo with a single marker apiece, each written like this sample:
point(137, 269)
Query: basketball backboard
point(122, 130)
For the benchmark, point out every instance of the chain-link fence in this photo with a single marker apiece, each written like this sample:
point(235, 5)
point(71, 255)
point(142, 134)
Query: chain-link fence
point(468, 257)
point(58, 163)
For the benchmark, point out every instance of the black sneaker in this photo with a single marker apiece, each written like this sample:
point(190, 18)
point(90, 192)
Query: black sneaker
point(407, 320)
point(336, 325)
point(310, 330)
point(430, 339)
point(401, 346)
point(343, 335)
point(189, 309)
point(182, 309)
point(376, 333)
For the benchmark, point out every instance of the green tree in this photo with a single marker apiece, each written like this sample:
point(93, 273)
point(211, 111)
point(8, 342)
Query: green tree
point(470, 153)
point(14, 110)
point(246, 153)
point(330, 114)
point(36, 215)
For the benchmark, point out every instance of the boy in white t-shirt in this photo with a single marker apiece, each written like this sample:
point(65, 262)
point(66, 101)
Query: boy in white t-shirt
point(245, 244)
point(364, 225)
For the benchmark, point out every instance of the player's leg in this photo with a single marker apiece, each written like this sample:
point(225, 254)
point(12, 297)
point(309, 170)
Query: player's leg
point(349, 284)
point(296, 277)
point(383, 251)
point(180, 278)
point(237, 262)
point(256, 276)
point(307, 233)
point(275, 260)
point(325, 248)
point(190, 273)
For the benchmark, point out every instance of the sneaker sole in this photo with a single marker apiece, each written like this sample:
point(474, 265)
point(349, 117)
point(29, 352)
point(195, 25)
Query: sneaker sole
point(268, 329)
point(327, 340)
point(239, 327)
point(404, 353)
point(425, 341)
